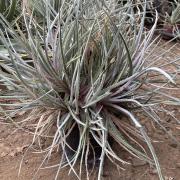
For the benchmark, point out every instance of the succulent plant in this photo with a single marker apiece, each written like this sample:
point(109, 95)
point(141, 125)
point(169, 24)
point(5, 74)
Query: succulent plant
point(84, 68)
point(169, 15)
point(175, 19)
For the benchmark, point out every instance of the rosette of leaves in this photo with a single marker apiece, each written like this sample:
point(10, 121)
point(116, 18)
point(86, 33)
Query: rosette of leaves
point(87, 69)
point(170, 16)
point(175, 19)
point(175, 16)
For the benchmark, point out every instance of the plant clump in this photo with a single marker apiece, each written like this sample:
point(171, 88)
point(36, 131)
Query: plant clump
point(83, 67)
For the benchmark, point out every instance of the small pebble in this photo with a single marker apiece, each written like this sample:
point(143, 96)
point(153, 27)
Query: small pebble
point(3, 154)
point(153, 171)
point(178, 165)
point(26, 162)
point(173, 144)
point(161, 132)
point(137, 162)
point(105, 174)
point(168, 178)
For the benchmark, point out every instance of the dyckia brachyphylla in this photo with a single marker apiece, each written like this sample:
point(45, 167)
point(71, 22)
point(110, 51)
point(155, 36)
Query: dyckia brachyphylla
point(85, 68)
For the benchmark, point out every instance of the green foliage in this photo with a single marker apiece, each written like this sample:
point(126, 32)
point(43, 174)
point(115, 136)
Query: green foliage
point(8, 8)
point(175, 17)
